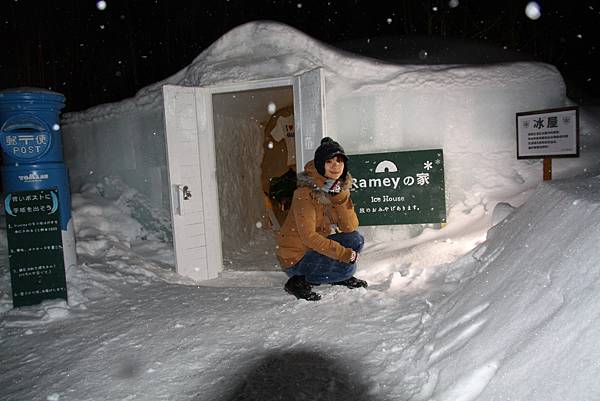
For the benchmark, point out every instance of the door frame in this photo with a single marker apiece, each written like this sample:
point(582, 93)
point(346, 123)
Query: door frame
point(309, 115)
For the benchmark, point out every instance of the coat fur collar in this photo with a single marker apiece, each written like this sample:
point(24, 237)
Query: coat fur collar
point(310, 178)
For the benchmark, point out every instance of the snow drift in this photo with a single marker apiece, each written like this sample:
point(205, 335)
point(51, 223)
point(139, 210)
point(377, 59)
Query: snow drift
point(522, 322)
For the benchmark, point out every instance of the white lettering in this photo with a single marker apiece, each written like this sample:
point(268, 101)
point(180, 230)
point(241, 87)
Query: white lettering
point(422, 179)
point(378, 182)
point(374, 182)
point(26, 149)
point(387, 198)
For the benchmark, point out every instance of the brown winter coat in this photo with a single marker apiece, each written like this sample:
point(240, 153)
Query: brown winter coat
point(310, 220)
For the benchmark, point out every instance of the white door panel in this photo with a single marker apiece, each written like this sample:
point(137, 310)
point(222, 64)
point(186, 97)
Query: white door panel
point(187, 174)
point(309, 114)
point(208, 190)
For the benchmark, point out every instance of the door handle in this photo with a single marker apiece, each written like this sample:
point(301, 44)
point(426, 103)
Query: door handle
point(187, 194)
point(183, 194)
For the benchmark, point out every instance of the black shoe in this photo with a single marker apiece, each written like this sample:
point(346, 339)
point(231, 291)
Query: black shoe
point(299, 288)
point(352, 282)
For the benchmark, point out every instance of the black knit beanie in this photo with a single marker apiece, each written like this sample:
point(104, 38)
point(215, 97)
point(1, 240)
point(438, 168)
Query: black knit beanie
point(328, 149)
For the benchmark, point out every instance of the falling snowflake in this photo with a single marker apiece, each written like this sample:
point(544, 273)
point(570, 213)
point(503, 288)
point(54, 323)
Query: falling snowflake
point(101, 5)
point(533, 11)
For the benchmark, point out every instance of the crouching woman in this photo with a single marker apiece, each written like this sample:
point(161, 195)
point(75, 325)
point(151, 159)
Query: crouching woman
point(318, 242)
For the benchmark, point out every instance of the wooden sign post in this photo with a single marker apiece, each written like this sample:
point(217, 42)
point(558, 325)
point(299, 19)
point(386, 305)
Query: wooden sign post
point(547, 168)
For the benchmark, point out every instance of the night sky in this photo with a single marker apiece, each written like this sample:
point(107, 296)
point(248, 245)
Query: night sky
point(94, 54)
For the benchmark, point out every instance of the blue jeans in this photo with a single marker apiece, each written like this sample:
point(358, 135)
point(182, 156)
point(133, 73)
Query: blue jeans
point(318, 268)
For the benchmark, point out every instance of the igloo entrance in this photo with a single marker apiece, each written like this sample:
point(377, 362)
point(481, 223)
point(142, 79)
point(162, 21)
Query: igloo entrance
point(254, 148)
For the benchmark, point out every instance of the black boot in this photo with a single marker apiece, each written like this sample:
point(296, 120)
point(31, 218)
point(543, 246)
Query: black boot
point(299, 288)
point(352, 282)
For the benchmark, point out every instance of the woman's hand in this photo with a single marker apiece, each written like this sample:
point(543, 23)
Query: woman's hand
point(353, 257)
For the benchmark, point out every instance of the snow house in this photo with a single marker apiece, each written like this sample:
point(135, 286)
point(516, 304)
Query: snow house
point(204, 144)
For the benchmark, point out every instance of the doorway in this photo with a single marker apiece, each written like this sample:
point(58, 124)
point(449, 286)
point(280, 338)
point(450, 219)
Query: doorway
point(254, 146)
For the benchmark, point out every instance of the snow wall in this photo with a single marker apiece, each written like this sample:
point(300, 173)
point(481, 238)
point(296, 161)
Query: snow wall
point(240, 194)
point(128, 145)
point(371, 106)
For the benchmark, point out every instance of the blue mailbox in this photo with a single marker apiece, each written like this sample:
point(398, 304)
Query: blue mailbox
point(41, 235)
point(30, 139)
point(29, 126)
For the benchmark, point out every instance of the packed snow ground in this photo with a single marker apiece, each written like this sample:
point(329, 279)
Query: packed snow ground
point(449, 315)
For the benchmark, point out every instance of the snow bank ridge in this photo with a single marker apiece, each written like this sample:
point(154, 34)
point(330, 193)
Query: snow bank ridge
point(523, 298)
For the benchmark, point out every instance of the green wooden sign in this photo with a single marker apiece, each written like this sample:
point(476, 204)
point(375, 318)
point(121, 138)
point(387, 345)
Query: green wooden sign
point(35, 251)
point(399, 187)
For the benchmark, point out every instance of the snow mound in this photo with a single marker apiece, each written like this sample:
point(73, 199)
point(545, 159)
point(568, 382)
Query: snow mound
point(118, 211)
point(46, 312)
point(119, 233)
point(522, 295)
point(97, 217)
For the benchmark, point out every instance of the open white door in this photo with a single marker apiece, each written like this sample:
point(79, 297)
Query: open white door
point(192, 181)
point(191, 159)
point(309, 114)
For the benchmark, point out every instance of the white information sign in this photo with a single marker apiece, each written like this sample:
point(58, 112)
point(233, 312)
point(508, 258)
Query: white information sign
point(545, 133)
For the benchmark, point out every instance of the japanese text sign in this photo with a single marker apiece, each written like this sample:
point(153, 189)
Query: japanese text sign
point(35, 250)
point(545, 133)
point(398, 187)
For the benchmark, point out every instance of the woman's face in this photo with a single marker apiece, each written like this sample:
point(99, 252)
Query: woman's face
point(334, 167)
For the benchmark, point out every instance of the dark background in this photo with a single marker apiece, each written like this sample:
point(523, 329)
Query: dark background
point(96, 56)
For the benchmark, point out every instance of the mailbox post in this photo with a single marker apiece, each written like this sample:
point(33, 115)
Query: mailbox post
point(36, 198)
